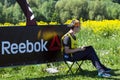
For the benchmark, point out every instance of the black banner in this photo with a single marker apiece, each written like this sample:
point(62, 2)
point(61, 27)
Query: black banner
point(30, 44)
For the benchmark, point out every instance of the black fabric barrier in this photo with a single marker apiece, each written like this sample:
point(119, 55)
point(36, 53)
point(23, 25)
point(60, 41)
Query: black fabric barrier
point(30, 44)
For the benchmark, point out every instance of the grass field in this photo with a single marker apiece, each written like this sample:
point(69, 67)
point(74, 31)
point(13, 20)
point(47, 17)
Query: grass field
point(36, 72)
point(107, 46)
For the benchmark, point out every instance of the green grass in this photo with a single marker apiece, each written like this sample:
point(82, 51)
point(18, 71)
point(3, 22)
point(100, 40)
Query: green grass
point(36, 72)
point(107, 48)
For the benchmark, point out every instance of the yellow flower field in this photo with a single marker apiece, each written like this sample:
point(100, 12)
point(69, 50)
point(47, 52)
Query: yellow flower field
point(105, 25)
point(95, 26)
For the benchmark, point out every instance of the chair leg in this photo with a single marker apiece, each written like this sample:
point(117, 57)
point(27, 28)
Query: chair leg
point(79, 66)
point(70, 67)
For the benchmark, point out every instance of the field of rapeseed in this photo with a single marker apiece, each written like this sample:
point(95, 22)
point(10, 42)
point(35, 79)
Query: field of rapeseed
point(95, 26)
point(105, 27)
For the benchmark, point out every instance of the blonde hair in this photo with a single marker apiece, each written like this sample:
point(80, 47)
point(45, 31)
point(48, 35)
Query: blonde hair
point(74, 23)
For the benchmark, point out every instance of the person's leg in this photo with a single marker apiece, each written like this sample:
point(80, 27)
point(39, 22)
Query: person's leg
point(95, 59)
point(90, 54)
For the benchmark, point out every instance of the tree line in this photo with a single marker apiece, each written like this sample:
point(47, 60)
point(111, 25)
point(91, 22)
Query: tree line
point(61, 10)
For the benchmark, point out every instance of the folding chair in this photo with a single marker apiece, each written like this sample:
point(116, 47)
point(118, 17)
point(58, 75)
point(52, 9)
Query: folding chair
point(70, 65)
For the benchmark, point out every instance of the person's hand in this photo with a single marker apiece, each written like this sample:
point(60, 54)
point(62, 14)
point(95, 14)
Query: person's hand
point(82, 48)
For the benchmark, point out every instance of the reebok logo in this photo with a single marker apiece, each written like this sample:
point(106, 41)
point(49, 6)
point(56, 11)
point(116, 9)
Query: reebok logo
point(23, 47)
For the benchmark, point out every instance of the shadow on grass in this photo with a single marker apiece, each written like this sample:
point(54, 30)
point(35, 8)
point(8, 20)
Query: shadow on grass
point(84, 73)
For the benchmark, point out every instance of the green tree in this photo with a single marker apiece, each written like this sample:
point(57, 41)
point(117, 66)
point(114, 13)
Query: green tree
point(2, 1)
point(47, 9)
point(112, 10)
point(72, 9)
point(96, 11)
point(17, 15)
point(116, 1)
point(61, 10)
point(4, 11)
point(1, 7)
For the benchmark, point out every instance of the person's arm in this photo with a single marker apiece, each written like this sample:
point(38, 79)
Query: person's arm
point(67, 49)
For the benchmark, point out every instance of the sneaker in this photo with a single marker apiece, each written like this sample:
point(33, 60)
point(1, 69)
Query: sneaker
point(106, 69)
point(103, 74)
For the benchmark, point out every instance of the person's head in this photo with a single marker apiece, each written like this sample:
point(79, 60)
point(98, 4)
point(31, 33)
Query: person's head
point(75, 25)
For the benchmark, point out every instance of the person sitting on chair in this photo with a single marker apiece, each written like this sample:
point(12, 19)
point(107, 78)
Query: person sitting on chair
point(72, 53)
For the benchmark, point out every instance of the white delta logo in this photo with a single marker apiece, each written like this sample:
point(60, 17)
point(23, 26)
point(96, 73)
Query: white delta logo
point(27, 47)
